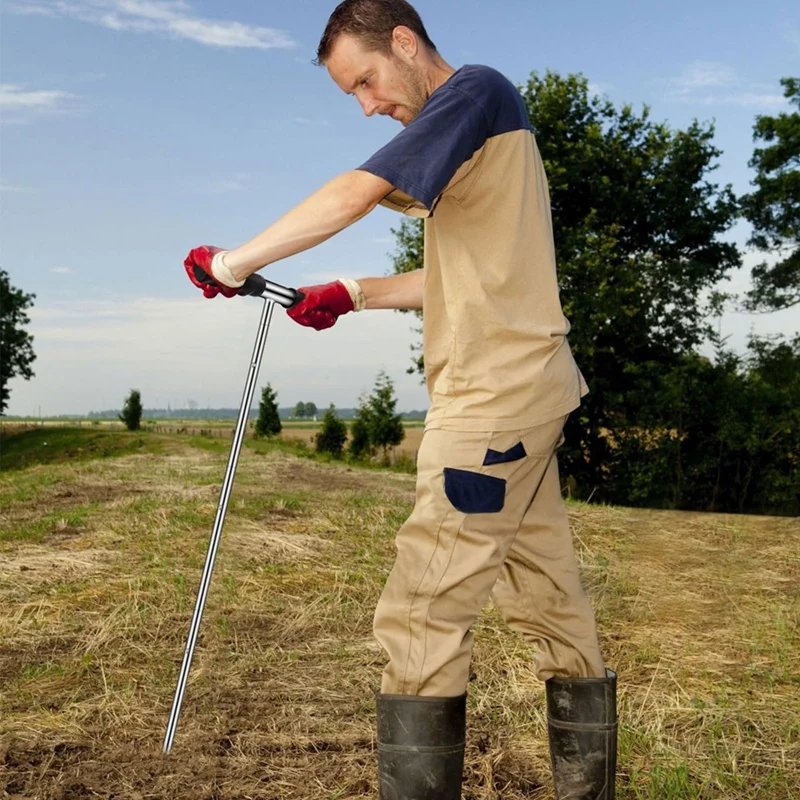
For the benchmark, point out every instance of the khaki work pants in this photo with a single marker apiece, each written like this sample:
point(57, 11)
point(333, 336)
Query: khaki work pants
point(488, 520)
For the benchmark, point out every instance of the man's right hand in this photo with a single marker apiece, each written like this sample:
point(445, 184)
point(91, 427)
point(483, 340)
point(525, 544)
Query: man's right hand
point(322, 305)
point(201, 260)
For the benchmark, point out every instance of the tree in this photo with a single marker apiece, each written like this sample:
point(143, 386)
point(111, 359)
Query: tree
point(300, 410)
point(716, 435)
point(132, 411)
point(332, 434)
point(385, 427)
point(16, 344)
point(360, 445)
point(269, 421)
point(311, 410)
point(636, 226)
point(773, 208)
point(409, 256)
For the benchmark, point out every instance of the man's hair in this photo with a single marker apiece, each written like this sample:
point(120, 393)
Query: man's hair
point(372, 23)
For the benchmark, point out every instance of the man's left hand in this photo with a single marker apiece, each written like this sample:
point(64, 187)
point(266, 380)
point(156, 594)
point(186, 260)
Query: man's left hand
point(322, 305)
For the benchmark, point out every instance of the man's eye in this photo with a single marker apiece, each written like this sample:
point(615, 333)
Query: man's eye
point(365, 83)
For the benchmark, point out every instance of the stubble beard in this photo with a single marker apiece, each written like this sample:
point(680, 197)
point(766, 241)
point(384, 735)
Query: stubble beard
point(415, 89)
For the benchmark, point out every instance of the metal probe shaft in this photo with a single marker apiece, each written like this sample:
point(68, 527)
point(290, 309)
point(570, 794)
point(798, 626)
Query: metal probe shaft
point(241, 426)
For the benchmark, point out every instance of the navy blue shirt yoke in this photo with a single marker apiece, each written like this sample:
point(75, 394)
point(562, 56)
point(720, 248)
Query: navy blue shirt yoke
point(473, 105)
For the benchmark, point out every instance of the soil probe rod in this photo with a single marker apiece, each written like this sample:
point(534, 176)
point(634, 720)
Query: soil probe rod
point(272, 293)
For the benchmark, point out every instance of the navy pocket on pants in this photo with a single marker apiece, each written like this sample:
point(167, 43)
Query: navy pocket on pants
point(496, 457)
point(474, 493)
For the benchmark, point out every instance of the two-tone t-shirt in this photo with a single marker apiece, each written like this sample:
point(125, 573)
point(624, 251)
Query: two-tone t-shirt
point(494, 334)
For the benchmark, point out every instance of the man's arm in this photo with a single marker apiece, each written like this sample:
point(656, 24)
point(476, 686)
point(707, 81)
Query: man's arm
point(394, 291)
point(332, 208)
point(322, 305)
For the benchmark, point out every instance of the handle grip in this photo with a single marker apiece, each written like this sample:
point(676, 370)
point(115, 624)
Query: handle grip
point(258, 286)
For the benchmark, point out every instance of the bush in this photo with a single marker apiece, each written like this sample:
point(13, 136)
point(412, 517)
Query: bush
point(332, 435)
point(132, 411)
point(360, 444)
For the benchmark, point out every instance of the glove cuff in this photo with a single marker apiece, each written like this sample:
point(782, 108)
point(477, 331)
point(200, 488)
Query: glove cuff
point(222, 273)
point(356, 293)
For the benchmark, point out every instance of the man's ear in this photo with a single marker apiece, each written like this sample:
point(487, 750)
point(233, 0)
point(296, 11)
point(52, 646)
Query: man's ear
point(404, 42)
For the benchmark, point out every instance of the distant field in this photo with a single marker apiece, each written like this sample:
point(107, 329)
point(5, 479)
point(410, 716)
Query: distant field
point(292, 429)
point(102, 539)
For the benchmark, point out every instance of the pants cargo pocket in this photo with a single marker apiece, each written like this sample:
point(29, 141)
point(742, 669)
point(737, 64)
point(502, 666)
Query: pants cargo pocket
point(473, 493)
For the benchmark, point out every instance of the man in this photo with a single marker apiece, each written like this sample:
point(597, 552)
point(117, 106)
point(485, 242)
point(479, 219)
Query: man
point(489, 517)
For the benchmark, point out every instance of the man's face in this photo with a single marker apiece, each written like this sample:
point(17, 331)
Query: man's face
point(390, 85)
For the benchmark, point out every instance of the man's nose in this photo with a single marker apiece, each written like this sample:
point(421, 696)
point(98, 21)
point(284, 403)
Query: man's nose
point(369, 106)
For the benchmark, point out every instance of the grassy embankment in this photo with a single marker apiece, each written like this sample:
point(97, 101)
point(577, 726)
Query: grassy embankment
point(102, 539)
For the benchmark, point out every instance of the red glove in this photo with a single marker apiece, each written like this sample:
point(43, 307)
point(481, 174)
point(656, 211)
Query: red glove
point(202, 257)
point(322, 305)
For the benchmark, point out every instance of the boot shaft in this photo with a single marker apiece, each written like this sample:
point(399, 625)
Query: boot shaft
point(420, 747)
point(582, 729)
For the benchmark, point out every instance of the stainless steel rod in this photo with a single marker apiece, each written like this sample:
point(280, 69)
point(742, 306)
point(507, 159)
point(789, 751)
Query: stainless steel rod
point(233, 459)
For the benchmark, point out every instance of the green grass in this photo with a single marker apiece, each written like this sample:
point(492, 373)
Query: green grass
point(59, 445)
point(67, 522)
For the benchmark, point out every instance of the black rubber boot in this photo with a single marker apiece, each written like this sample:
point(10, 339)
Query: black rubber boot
point(582, 728)
point(420, 747)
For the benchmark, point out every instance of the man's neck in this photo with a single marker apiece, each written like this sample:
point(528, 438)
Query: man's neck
point(438, 74)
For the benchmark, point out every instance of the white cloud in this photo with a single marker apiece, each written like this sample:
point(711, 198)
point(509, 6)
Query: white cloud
point(20, 105)
point(61, 271)
point(174, 18)
point(712, 83)
point(15, 98)
point(703, 74)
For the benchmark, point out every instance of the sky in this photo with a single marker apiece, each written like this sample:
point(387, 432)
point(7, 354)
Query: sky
point(134, 130)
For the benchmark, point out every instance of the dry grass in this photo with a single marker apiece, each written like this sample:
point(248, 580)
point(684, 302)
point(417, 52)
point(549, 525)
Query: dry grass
point(99, 564)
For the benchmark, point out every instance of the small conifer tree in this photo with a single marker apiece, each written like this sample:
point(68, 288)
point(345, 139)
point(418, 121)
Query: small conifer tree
point(385, 427)
point(332, 434)
point(360, 446)
point(132, 411)
point(269, 421)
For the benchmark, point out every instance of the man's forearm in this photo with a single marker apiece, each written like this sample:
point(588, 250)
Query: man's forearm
point(333, 207)
point(394, 291)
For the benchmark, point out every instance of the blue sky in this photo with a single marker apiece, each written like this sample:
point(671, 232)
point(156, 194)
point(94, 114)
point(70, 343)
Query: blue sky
point(134, 130)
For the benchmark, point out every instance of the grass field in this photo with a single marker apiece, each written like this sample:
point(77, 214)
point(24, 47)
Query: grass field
point(293, 430)
point(102, 539)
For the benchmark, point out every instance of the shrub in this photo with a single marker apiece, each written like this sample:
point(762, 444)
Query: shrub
point(332, 435)
point(268, 422)
point(132, 411)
